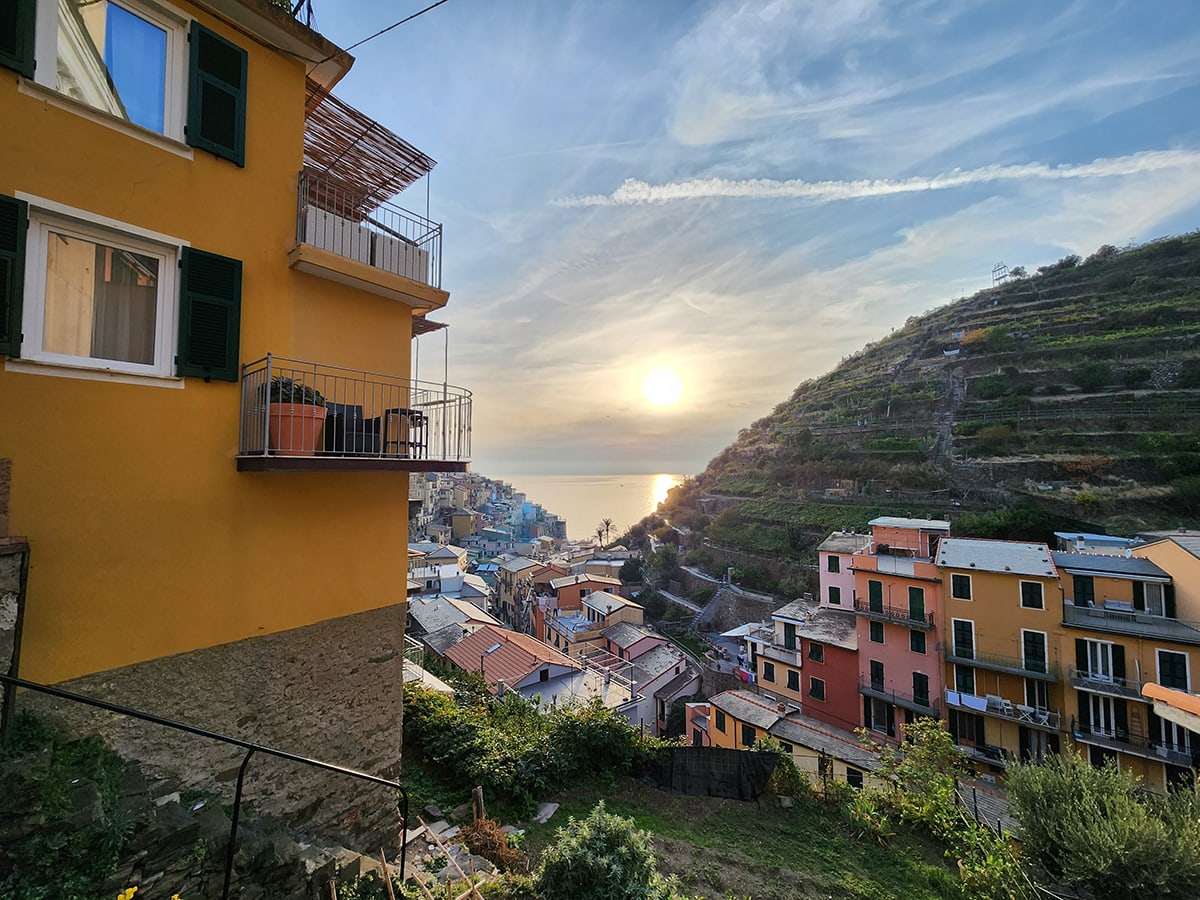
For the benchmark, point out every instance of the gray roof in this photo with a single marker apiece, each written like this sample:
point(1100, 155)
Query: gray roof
point(517, 565)
point(818, 623)
point(443, 639)
point(904, 522)
point(657, 660)
point(745, 707)
point(605, 602)
point(845, 542)
point(1188, 540)
point(1013, 557)
point(626, 634)
point(671, 689)
point(434, 613)
point(1111, 566)
point(808, 732)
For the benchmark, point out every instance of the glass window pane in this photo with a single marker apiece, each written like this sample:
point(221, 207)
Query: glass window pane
point(114, 60)
point(101, 301)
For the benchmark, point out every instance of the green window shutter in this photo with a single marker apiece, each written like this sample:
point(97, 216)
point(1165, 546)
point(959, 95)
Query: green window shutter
point(16, 35)
point(216, 118)
point(210, 316)
point(1139, 596)
point(14, 220)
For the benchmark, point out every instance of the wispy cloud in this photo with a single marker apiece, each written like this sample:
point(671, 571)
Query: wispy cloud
point(634, 192)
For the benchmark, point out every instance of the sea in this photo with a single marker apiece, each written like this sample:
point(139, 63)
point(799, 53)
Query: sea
point(585, 500)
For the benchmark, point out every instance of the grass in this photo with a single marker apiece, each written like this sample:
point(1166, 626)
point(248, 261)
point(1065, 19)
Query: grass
point(725, 847)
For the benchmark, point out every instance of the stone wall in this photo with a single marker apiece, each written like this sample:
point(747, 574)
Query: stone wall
point(330, 691)
point(14, 566)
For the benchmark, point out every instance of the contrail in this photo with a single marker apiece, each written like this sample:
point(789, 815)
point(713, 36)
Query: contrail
point(634, 192)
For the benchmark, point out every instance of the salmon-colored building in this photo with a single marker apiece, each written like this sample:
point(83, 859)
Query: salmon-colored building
point(898, 600)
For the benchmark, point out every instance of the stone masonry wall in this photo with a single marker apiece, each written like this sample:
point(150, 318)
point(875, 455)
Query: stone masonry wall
point(330, 691)
point(14, 559)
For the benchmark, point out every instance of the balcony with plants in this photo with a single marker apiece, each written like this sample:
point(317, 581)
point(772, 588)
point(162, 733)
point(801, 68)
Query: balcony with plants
point(306, 416)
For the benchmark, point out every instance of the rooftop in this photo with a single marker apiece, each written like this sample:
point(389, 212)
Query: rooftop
point(583, 578)
point(817, 623)
point(653, 663)
point(1005, 557)
point(605, 603)
point(1111, 566)
point(626, 634)
point(507, 656)
point(844, 542)
point(904, 522)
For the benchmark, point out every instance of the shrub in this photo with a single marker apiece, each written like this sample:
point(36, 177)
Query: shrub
point(1137, 376)
point(1091, 376)
point(485, 837)
point(1093, 828)
point(601, 857)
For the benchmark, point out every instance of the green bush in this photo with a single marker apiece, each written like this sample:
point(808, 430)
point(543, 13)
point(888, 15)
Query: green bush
point(1096, 829)
point(1091, 376)
point(601, 857)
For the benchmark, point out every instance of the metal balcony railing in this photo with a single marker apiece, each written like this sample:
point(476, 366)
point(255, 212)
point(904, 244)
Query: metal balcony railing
point(1137, 744)
point(1040, 669)
point(1001, 708)
point(919, 704)
point(363, 416)
point(897, 614)
point(1130, 688)
point(334, 216)
point(1120, 621)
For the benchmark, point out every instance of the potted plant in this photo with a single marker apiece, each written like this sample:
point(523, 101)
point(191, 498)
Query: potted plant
point(296, 417)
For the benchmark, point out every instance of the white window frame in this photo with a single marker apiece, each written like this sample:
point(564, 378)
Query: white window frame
point(970, 587)
point(175, 73)
point(1160, 600)
point(1096, 654)
point(47, 215)
point(1021, 594)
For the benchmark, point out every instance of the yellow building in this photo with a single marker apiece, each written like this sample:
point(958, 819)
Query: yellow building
point(187, 218)
point(1002, 627)
point(1125, 629)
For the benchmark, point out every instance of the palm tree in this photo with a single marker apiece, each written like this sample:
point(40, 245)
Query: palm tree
point(607, 525)
point(599, 534)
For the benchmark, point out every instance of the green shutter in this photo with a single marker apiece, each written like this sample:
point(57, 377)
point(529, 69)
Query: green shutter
point(216, 95)
point(210, 315)
point(16, 35)
point(1139, 596)
point(14, 221)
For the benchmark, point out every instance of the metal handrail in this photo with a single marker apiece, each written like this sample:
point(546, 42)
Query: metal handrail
point(398, 417)
point(1125, 738)
point(893, 613)
point(250, 747)
point(872, 688)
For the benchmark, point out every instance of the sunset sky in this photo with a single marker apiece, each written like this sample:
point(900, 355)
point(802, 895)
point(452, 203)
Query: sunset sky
point(743, 193)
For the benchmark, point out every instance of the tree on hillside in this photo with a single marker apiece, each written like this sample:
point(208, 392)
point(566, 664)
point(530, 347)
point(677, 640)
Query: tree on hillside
point(631, 570)
point(1092, 376)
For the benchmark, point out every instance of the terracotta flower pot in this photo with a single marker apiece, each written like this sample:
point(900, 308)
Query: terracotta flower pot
point(295, 428)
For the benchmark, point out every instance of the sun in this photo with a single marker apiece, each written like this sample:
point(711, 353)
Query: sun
point(662, 387)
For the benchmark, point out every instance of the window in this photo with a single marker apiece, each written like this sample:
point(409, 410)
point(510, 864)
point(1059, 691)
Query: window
point(964, 679)
point(1152, 597)
point(916, 604)
point(881, 716)
point(768, 671)
point(747, 735)
point(854, 777)
point(1173, 670)
point(793, 680)
point(1031, 595)
point(876, 675)
point(719, 720)
point(1084, 590)
point(834, 564)
point(877, 632)
point(916, 641)
point(816, 688)
point(920, 684)
point(960, 587)
point(1033, 645)
point(789, 636)
point(90, 292)
point(964, 638)
point(816, 652)
point(1037, 693)
point(875, 596)
point(835, 595)
point(544, 675)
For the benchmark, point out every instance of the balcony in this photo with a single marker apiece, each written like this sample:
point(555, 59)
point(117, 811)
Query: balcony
point(351, 237)
point(1128, 688)
point(991, 705)
point(368, 421)
point(1138, 624)
point(782, 654)
point(922, 705)
point(897, 615)
point(1136, 744)
point(1010, 665)
point(986, 753)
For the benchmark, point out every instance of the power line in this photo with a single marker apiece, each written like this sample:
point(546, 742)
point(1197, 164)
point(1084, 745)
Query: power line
point(386, 30)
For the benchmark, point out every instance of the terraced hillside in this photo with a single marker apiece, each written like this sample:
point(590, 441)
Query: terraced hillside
point(1076, 389)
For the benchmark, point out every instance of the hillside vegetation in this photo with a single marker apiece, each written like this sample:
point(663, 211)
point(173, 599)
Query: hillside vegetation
point(1074, 391)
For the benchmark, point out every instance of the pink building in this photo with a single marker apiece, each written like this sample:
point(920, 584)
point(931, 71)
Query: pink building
point(898, 601)
point(834, 560)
